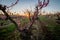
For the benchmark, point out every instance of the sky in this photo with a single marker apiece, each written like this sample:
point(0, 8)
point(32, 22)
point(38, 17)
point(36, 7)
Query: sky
point(54, 5)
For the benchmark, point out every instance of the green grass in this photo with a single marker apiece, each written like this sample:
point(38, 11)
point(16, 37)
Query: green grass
point(24, 21)
point(9, 29)
point(51, 25)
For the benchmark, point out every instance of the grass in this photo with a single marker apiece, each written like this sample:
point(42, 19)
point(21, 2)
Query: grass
point(51, 25)
point(9, 29)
